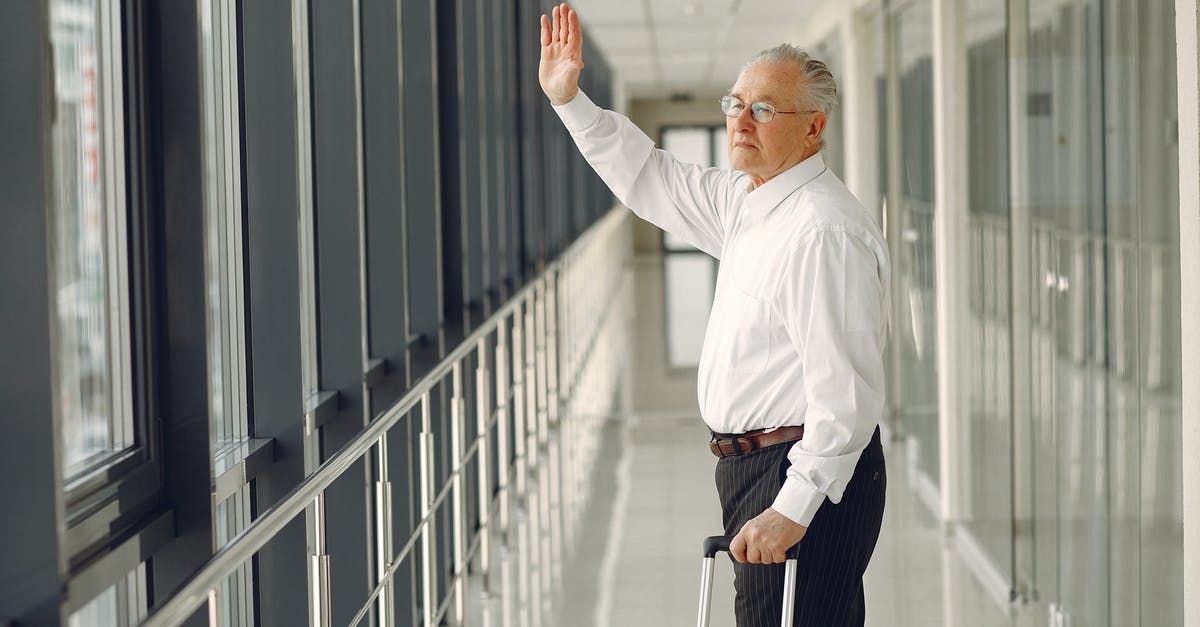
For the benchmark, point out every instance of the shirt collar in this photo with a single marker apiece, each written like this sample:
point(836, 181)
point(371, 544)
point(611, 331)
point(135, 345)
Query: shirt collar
point(766, 196)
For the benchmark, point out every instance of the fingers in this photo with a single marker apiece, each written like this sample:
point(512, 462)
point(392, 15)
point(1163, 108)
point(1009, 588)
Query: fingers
point(560, 23)
point(574, 34)
point(737, 548)
point(778, 556)
point(753, 554)
point(749, 547)
point(562, 27)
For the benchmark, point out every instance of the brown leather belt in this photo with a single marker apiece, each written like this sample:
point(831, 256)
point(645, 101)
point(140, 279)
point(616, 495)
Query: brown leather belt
point(731, 446)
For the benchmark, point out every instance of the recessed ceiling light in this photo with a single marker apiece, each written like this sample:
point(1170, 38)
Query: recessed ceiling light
point(692, 9)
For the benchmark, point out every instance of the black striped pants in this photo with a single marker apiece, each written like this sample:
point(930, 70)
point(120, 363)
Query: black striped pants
point(833, 554)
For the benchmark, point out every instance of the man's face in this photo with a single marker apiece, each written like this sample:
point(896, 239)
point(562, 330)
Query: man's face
point(764, 150)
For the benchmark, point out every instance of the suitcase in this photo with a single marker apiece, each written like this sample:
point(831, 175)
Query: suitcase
point(716, 544)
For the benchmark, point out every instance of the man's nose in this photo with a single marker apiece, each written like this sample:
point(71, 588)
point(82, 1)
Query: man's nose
point(744, 122)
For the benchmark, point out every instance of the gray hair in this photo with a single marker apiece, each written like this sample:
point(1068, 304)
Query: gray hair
point(818, 90)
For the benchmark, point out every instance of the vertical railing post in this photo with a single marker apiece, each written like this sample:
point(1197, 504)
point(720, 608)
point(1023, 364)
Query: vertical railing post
point(314, 518)
point(548, 416)
point(552, 328)
point(571, 308)
point(518, 414)
point(383, 531)
point(483, 407)
point(531, 381)
point(214, 608)
point(502, 424)
point(319, 567)
point(522, 460)
point(534, 502)
point(458, 515)
point(428, 584)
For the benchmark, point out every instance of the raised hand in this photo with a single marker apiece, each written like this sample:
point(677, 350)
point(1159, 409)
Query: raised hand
point(562, 55)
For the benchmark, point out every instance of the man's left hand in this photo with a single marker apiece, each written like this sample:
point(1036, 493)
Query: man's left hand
point(766, 538)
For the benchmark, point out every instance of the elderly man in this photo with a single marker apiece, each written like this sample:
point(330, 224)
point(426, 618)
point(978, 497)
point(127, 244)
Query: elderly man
point(791, 374)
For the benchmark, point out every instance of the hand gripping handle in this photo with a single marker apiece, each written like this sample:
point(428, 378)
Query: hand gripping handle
point(716, 544)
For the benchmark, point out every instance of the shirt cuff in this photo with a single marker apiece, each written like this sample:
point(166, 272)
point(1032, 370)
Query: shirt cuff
point(579, 114)
point(798, 500)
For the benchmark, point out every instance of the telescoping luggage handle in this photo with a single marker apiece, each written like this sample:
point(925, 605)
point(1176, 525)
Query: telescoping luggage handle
point(716, 544)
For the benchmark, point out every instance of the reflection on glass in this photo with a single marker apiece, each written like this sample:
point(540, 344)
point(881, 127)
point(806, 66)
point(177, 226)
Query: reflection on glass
point(1068, 288)
point(690, 280)
point(916, 328)
point(124, 604)
point(228, 420)
point(223, 230)
point(236, 607)
point(1143, 379)
point(86, 149)
point(988, 426)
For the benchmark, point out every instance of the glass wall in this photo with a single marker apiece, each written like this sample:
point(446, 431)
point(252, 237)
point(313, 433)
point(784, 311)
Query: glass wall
point(1142, 378)
point(1098, 180)
point(912, 195)
point(1069, 283)
point(1071, 460)
point(988, 512)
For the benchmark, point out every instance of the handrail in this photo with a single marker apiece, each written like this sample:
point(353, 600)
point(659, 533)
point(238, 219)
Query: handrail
point(195, 591)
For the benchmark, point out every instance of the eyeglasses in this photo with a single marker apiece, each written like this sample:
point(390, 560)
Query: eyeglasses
point(761, 111)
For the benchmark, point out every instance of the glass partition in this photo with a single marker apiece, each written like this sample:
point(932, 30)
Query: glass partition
point(1068, 286)
point(1072, 467)
point(1141, 197)
point(988, 511)
point(912, 197)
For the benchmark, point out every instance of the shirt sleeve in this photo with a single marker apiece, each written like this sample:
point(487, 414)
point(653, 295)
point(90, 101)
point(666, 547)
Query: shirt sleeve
point(683, 199)
point(832, 299)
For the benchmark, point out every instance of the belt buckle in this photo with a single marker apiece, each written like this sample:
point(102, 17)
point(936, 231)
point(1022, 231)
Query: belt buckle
point(735, 446)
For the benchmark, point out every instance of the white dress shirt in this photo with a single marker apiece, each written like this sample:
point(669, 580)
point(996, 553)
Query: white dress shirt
point(799, 317)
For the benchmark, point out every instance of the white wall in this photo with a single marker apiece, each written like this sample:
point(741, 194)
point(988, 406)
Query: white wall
point(839, 17)
point(652, 116)
point(1187, 28)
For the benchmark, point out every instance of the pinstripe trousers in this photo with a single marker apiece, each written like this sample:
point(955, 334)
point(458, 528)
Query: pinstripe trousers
point(833, 554)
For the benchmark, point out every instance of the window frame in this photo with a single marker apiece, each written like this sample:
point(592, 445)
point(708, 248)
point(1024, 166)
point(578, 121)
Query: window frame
point(120, 499)
point(109, 477)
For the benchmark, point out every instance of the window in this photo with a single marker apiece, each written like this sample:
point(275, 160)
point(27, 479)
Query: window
point(89, 252)
point(223, 248)
point(690, 277)
point(124, 603)
point(702, 145)
point(225, 317)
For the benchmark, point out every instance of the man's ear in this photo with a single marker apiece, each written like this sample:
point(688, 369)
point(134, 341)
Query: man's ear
point(816, 126)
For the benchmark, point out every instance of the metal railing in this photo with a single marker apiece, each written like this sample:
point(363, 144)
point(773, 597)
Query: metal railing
point(543, 352)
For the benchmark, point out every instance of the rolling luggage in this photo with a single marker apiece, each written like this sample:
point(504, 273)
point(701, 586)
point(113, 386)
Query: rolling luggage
point(716, 544)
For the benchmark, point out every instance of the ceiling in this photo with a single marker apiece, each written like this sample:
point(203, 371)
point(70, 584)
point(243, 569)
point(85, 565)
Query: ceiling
point(663, 47)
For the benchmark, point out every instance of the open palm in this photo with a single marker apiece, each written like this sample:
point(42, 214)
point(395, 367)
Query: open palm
point(562, 55)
